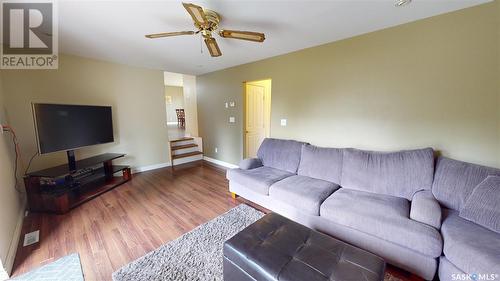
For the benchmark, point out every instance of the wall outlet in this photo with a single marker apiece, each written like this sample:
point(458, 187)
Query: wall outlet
point(283, 122)
point(216, 150)
point(31, 238)
point(232, 119)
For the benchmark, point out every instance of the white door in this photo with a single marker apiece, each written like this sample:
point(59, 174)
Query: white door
point(255, 131)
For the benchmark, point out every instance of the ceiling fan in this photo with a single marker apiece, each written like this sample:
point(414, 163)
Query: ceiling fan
point(207, 21)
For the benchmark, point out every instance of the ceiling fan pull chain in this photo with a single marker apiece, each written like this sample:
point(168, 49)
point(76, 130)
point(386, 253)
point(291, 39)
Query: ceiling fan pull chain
point(201, 45)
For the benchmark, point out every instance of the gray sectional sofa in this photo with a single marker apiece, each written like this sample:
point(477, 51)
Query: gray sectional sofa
point(396, 205)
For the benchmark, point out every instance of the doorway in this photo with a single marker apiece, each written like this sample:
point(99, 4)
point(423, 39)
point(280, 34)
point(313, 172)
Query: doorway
point(176, 117)
point(257, 125)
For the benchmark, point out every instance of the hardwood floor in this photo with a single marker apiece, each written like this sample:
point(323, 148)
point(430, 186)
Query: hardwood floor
point(132, 220)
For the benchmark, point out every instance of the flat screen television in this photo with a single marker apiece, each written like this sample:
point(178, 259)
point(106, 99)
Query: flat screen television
point(64, 127)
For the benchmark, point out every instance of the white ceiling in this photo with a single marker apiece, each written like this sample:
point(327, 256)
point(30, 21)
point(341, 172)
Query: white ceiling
point(114, 30)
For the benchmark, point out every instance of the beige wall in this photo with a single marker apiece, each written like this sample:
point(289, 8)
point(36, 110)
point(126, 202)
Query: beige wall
point(136, 95)
point(177, 102)
point(432, 82)
point(11, 202)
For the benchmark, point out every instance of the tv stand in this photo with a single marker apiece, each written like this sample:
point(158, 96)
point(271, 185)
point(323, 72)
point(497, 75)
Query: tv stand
point(71, 160)
point(61, 188)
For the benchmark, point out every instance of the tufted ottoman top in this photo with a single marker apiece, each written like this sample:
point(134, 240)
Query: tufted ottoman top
point(276, 248)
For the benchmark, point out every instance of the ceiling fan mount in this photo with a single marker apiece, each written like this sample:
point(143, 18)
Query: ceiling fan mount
point(207, 21)
point(212, 22)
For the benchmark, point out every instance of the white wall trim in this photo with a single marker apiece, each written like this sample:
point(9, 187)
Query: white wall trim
point(11, 254)
point(219, 162)
point(189, 159)
point(150, 167)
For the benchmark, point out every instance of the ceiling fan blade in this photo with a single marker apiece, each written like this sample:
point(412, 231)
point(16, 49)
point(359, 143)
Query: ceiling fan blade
point(243, 35)
point(168, 34)
point(196, 13)
point(213, 48)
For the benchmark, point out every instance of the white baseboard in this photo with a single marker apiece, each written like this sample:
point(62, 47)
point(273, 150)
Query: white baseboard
point(11, 254)
point(166, 164)
point(182, 161)
point(150, 167)
point(188, 159)
point(220, 163)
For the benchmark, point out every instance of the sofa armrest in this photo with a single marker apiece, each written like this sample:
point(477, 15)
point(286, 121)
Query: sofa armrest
point(250, 163)
point(426, 209)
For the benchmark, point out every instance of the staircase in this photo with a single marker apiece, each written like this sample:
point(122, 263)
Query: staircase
point(185, 149)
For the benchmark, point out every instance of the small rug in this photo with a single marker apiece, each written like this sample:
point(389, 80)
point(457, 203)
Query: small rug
point(196, 255)
point(67, 268)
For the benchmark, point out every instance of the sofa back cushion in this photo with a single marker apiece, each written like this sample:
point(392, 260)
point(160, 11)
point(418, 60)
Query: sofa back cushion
point(482, 206)
point(399, 174)
point(321, 163)
point(280, 154)
point(455, 180)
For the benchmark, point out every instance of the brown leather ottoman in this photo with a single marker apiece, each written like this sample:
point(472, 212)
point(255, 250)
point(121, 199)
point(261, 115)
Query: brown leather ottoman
point(276, 248)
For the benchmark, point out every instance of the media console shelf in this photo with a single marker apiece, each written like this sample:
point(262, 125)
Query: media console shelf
point(58, 189)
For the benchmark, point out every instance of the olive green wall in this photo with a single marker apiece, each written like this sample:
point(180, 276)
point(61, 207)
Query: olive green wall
point(11, 201)
point(498, 76)
point(433, 82)
point(137, 96)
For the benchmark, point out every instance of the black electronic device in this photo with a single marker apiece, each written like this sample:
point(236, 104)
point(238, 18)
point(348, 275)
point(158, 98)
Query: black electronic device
point(63, 127)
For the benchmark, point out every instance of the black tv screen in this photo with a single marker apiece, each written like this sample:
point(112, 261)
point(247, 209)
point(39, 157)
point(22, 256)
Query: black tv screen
point(66, 127)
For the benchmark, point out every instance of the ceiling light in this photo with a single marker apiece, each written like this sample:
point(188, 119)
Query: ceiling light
point(400, 3)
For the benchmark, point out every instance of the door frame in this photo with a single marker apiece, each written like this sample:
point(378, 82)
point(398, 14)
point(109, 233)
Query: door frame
point(267, 83)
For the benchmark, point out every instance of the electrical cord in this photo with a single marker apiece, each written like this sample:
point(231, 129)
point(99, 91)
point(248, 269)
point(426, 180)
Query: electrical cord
point(29, 163)
point(17, 151)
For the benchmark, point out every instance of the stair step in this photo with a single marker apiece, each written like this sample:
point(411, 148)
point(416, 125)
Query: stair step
point(177, 147)
point(183, 155)
point(182, 139)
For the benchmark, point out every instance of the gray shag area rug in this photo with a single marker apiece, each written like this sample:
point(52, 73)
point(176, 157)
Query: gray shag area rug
point(196, 255)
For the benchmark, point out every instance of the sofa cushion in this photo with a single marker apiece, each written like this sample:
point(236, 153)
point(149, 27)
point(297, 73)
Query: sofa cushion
point(258, 179)
point(398, 174)
point(383, 216)
point(321, 163)
point(304, 193)
point(280, 154)
point(426, 209)
point(250, 163)
point(469, 246)
point(454, 181)
point(483, 205)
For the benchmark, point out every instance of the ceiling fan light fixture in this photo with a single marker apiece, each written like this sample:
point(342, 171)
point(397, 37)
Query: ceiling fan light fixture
point(400, 3)
point(206, 22)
